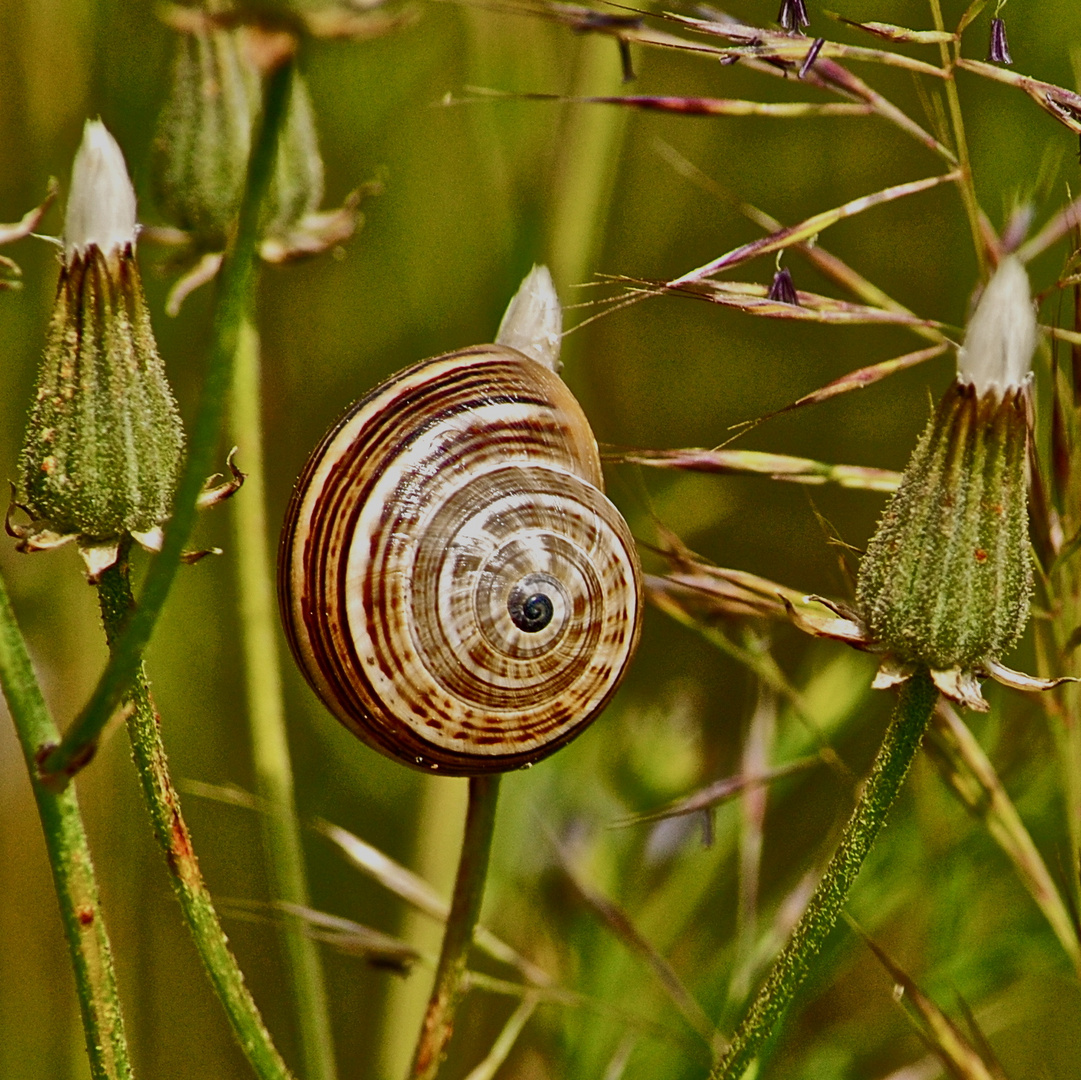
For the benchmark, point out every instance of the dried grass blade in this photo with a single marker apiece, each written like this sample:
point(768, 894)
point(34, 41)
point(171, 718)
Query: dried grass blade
point(830, 265)
point(504, 1043)
point(858, 380)
point(571, 999)
point(970, 15)
point(776, 466)
point(376, 947)
point(755, 759)
point(752, 299)
point(687, 106)
point(31, 219)
point(809, 228)
point(973, 779)
point(758, 43)
point(720, 791)
point(1064, 105)
point(1061, 224)
point(416, 891)
point(942, 1035)
point(674, 603)
point(619, 922)
point(890, 32)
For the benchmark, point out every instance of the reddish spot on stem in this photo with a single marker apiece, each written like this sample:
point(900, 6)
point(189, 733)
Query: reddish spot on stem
point(85, 915)
point(981, 555)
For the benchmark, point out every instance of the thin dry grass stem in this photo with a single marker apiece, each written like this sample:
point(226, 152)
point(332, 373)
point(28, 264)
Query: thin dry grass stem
point(753, 299)
point(758, 44)
point(891, 32)
point(416, 891)
point(855, 475)
point(505, 1041)
point(571, 999)
point(957, 122)
point(810, 227)
point(973, 779)
point(961, 1059)
point(767, 52)
point(617, 1064)
point(345, 935)
point(691, 599)
point(776, 466)
point(927, 1068)
point(686, 106)
point(830, 265)
point(619, 922)
point(1059, 226)
point(22, 228)
point(755, 760)
point(720, 791)
point(971, 13)
point(674, 603)
point(1064, 105)
point(1071, 337)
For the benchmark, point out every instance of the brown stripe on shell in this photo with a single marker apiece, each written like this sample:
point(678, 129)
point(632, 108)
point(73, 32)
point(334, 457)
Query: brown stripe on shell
point(409, 526)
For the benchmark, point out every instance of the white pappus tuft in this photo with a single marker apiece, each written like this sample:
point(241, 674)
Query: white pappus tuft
point(101, 203)
point(1001, 337)
point(533, 322)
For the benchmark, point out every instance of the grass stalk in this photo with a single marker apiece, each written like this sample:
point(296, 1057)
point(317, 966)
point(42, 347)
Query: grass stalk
point(914, 707)
point(237, 286)
point(464, 912)
point(282, 847)
point(171, 832)
point(591, 144)
point(968, 190)
point(69, 859)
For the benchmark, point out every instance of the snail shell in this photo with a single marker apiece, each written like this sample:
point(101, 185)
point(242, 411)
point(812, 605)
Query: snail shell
point(454, 584)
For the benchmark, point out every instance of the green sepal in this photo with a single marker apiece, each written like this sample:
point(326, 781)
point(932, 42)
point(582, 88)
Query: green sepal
point(104, 441)
point(947, 577)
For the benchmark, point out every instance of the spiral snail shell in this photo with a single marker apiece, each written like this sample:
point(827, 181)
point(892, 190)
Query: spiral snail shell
point(454, 584)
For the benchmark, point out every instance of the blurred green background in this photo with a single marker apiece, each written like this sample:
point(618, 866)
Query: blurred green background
point(474, 194)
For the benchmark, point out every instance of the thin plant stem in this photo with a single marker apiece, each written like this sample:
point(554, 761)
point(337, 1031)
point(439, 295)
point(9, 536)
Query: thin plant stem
point(910, 718)
point(171, 832)
point(238, 278)
point(282, 848)
point(464, 912)
point(591, 146)
point(968, 190)
point(69, 858)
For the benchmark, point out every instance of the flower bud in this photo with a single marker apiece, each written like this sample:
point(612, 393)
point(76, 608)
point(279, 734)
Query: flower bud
point(204, 135)
point(103, 444)
point(533, 321)
point(947, 577)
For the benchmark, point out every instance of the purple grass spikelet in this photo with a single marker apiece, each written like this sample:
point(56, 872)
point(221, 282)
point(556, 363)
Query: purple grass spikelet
point(999, 51)
point(783, 288)
point(793, 15)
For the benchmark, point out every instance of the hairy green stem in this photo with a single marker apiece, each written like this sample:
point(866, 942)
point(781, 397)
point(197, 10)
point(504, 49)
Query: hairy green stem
point(171, 832)
point(282, 848)
point(910, 718)
point(968, 190)
point(69, 858)
point(464, 911)
point(236, 289)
